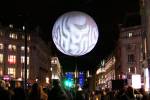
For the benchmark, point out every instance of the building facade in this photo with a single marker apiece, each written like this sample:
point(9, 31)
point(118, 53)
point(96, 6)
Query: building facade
point(12, 55)
point(145, 17)
point(56, 68)
point(130, 52)
point(106, 73)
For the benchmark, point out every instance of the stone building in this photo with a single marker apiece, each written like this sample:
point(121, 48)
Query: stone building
point(12, 54)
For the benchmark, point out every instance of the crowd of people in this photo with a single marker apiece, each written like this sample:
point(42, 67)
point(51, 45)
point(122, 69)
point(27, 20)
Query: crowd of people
point(125, 93)
point(36, 92)
point(57, 92)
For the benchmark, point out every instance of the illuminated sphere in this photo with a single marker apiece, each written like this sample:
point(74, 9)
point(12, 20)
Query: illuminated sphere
point(75, 33)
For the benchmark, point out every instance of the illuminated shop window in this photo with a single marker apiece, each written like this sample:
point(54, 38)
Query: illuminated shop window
point(1, 58)
point(12, 72)
point(1, 46)
point(1, 71)
point(13, 35)
point(23, 59)
point(12, 47)
point(12, 59)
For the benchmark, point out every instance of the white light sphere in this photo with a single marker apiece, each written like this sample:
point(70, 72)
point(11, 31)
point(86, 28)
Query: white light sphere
point(75, 33)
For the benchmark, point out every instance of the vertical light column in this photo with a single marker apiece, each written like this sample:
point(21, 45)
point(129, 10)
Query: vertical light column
point(146, 79)
point(25, 69)
point(146, 23)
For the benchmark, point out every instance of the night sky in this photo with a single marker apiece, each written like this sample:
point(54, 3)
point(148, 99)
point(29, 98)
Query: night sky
point(107, 14)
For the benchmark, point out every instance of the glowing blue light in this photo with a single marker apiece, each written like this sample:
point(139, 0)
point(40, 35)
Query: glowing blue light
point(81, 79)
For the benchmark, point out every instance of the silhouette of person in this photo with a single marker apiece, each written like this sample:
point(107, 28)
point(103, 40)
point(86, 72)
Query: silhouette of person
point(57, 92)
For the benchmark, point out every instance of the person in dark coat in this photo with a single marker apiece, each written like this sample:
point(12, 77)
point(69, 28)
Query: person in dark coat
point(4, 94)
point(19, 93)
point(57, 92)
point(35, 93)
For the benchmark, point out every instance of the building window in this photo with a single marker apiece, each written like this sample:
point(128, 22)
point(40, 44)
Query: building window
point(23, 73)
point(1, 33)
point(131, 47)
point(27, 60)
point(22, 37)
point(23, 49)
point(13, 35)
point(1, 71)
point(12, 47)
point(1, 46)
point(28, 49)
point(130, 34)
point(10, 25)
point(12, 72)
point(1, 58)
point(28, 38)
point(12, 59)
point(23, 60)
point(131, 58)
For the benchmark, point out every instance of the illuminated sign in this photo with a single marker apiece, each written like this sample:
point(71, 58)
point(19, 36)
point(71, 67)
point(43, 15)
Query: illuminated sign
point(136, 81)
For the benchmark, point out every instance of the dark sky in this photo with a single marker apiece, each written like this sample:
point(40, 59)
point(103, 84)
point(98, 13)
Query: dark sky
point(107, 14)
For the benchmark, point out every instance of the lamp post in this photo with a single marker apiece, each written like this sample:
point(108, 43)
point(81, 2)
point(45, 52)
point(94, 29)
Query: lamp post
point(25, 67)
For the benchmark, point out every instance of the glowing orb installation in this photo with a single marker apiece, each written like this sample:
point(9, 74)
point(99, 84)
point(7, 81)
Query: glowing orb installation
point(75, 33)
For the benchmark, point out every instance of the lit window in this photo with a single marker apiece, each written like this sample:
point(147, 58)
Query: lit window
point(23, 60)
point(1, 33)
point(28, 49)
point(28, 38)
point(22, 73)
point(12, 72)
point(22, 37)
point(1, 58)
point(12, 59)
point(10, 25)
point(1, 71)
point(12, 47)
point(1, 46)
point(13, 35)
point(130, 34)
point(27, 60)
point(22, 48)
